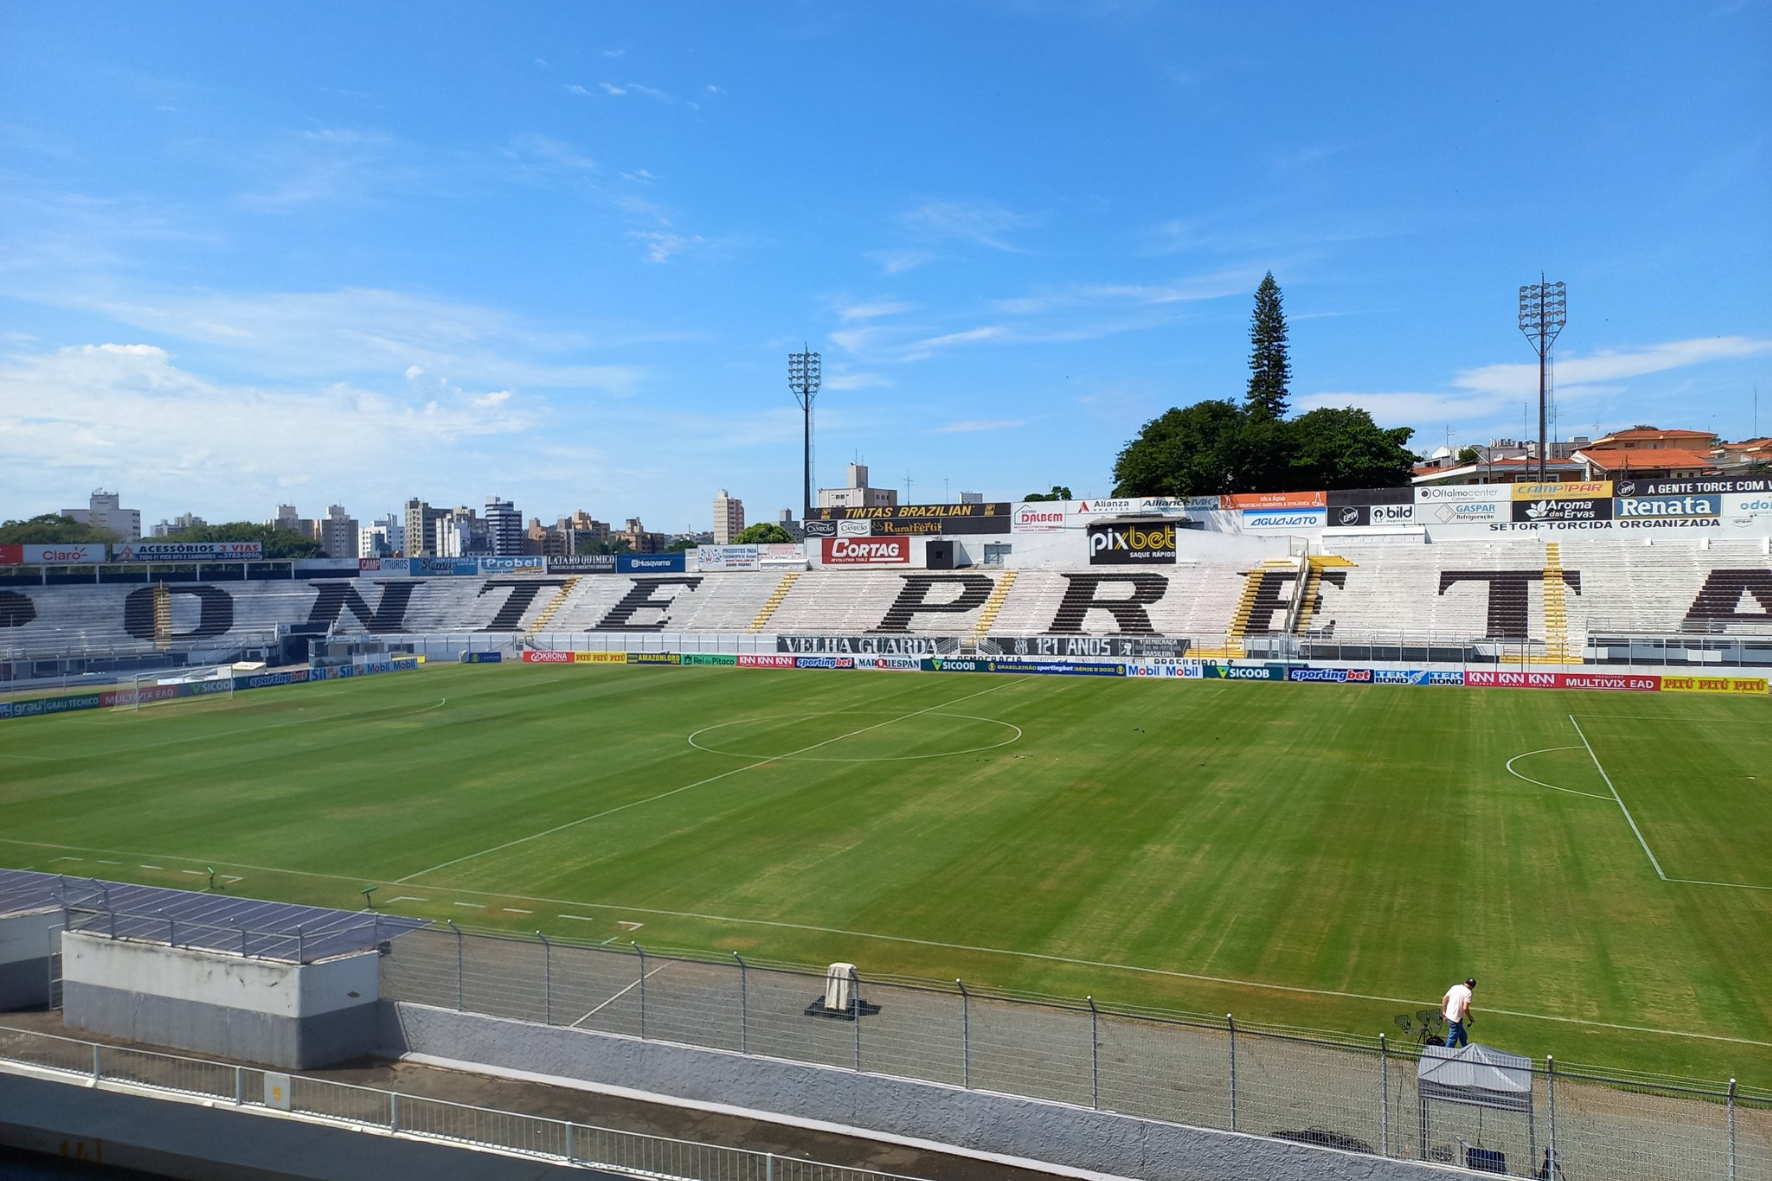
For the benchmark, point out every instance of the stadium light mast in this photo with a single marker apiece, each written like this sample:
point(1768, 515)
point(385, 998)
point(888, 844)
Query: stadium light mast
point(1543, 312)
point(804, 380)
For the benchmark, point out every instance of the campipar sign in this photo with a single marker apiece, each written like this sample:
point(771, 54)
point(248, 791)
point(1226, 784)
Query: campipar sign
point(1124, 543)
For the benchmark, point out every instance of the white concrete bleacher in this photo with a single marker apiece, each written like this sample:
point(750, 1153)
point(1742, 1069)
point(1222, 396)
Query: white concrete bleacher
point(1198, 600)
point(1394, 590)
point(1650, 585)
point(723, 602)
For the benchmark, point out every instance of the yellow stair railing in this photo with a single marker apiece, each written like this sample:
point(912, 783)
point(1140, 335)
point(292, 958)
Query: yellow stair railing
point(774, 601)
point(162, 617)
point(554, 604)
point(1239, 626)
point(1313, 584)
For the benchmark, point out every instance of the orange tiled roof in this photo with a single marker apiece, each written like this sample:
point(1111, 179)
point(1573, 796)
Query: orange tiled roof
point(1625, 458)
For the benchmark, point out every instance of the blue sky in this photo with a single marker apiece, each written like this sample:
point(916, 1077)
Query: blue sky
point(342, 253)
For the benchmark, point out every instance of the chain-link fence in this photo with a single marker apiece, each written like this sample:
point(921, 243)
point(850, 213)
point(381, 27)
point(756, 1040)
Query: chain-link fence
point(1360, 1095)
point(418, 1117)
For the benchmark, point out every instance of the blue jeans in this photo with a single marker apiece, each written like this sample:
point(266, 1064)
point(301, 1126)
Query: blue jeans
point(1455, 1035)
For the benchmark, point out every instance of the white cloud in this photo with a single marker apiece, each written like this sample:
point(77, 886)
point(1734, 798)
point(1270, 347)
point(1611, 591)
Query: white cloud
point(896, 262)
point(872, 311)
point(981, 223)
point(576, 88)
point(969, 336)
point(611, 88)
point(1517, 380)
point(545, 151)
point(662, 244)
point(855, 381)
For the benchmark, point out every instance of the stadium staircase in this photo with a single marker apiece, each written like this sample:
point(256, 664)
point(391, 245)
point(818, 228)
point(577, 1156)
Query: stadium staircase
point(987, 615)
point(767, 610)
point(554, 605)
point(1243, 621)
point(162, 617)
point(1312, 598)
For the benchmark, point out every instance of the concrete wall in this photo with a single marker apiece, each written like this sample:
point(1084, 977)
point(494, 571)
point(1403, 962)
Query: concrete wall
point(26, 941)
point(200, 1142)
point(984, 1122)
point(287, 1015)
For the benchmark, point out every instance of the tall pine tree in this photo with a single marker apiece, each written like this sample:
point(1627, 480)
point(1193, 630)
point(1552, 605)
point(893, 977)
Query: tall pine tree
point(1269, 371)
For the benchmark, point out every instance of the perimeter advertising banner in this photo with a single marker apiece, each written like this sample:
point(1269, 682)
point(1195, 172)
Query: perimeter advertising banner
point(914, 520)
point(758, 660)
point(1563, 490)
point(385, 567)
point(583, 564)
point(649, 563)
point(1706, 486)
point(44, 555)
point(1123, 543)
point(866, 551)
point(1501, 679)
point(1219, 671)
point(888, 663)
point(872, 645)
point(717, 658)
point(728, 557)
point(187, 551)
point(526, 564)
point(550, 656)
point(599, 658)
point(1713, 684)
point(443, 567)
point(839, 528)
point(654, 657)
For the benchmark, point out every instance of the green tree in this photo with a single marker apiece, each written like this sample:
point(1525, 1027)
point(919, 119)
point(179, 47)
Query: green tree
point(1469, 455)
point(1059, 492)
point(278, 543)
point(764, 533)
point(1198, 450)
point(680, 544)
point(1335, 448)
point(53, 529)
point(1270, 372)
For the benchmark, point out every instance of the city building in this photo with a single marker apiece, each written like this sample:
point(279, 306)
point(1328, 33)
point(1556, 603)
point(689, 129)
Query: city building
point(857, 494)
point(337, 533)
point(179, 524)
point(584, 534)
point(639, 540)
point(504, 527)
point(549, 541)
point(728, 517)
point(786, 521)
point(971, 498)
point(105, 511)
point(420, 530)
point(460, 533)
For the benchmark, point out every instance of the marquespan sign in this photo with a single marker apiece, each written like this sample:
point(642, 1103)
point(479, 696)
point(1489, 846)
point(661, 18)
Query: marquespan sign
point(866, 551)
point(888, 663)
point(186, 551)
point(1125, 543)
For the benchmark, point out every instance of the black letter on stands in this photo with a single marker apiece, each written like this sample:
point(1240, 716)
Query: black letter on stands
point(215, 612)
point(337, 597)
point(523, 592)
point(16, 610)
point(913, 598)
point(639, 597)
point(1507, 597)
point(1721, 596)
point(1128, 611)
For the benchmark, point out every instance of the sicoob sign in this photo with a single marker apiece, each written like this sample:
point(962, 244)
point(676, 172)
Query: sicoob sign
point(867, 551)
point(1115, 544)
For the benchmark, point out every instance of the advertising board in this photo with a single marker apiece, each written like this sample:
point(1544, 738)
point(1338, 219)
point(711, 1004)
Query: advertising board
point(482, 657)
point(1662, 508)
point(1355, 516)
point(1038, 517)
point(888, 663)
point(866, 551)
point(782, 552)
point(728, 557)
point(1270, 518)
point(45, 555)
point(187, 551)
point(1369, 496)
point(1417, 676)
point(746, 660)
point(1561, 509)
point(839, 528)
point(1747, 504)
point(550, 656)
point(1274, 500)
point(1164, 647)
point(1502, 679)
point(1563, 490)
point(1221, 671)
point(1154, 668)
point(443, 567)
point(599, 658)
point(1713, 684)
point(824, 662)
point(718, 658)
point(1705, 486)
point(1461, 512)
point(1339, 676)
point(913, 520)
point(583, 564)
point(518, 564)
point(1463, 493)
point(385, 567)
point(1122, 543)
point(654, 658)
point(650, 563)
point(873, 645)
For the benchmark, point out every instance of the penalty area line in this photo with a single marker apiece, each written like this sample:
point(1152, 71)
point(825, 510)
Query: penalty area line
point(1592, 795)
point(1629, 819)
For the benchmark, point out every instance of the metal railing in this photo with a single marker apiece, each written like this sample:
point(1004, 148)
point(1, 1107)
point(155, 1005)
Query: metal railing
point(412, 1116)
point(1358, 1094)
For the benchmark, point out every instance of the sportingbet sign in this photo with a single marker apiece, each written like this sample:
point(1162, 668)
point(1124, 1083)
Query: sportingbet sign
point(1127, 544)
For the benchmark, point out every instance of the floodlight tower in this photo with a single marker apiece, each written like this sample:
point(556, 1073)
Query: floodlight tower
point(1543, 311)
point(803, 380)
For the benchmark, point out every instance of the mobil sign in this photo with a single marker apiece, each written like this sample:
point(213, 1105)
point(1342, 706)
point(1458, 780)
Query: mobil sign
point(867, 551)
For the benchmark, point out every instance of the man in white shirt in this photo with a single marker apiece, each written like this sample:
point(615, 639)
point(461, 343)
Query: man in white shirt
point(1456, 1004)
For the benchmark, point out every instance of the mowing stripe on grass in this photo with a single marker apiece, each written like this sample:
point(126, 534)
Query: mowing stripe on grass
point(1002, 951)
point(1627, 816)
point(702, 782)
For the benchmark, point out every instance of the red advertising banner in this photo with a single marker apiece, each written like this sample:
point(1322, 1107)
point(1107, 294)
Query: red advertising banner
point(547, 657)
point(867, 551)
point(1627, 682)
point(11, 555)
point(766, 662)
point(1274, 500)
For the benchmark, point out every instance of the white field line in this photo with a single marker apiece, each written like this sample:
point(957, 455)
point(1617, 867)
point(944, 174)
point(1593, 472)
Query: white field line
point(547, 832)
point(1592, 795)
point(1639, 832)
point(1002, 951)
point(619, 995)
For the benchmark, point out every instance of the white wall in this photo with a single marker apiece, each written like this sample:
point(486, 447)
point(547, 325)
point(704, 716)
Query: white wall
point(228, 981)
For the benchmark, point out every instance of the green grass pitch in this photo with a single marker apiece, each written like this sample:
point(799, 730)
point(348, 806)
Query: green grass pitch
point(1319, 856)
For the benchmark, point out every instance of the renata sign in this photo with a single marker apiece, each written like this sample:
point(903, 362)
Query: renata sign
point(867, 551)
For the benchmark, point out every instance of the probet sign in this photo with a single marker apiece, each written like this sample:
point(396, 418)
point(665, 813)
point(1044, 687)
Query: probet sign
point(1115, 543)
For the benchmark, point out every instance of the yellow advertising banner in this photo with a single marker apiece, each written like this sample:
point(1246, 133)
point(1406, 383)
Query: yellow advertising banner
point(1565, 490)
point(599, 658)
point(1713, 684)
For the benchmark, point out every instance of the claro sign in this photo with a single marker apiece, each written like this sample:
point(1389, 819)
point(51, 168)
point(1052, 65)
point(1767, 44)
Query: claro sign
point(867, 551)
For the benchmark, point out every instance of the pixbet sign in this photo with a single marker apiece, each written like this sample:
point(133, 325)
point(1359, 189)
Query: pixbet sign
point(1123, 544)
point(867, 551)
